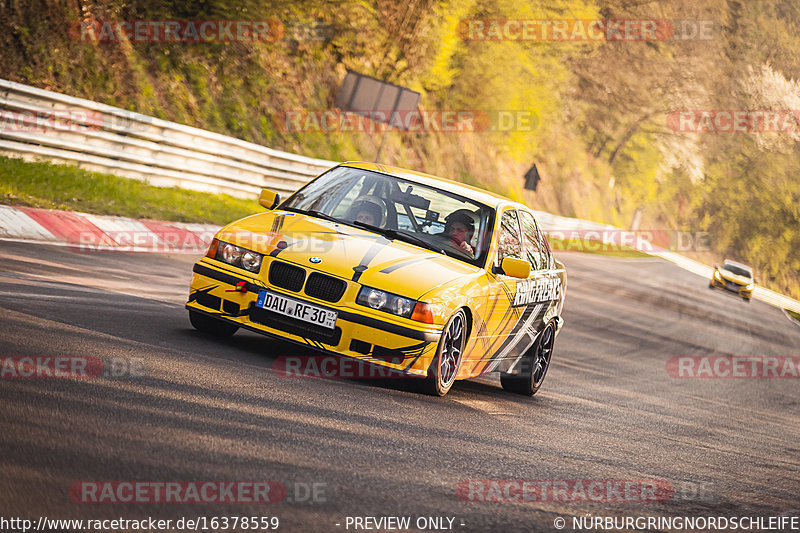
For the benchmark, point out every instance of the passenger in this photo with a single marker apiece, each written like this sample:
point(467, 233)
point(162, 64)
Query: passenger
point(460, 227)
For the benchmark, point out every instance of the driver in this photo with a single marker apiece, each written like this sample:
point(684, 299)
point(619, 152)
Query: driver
point(460, 227)
point(368, 209)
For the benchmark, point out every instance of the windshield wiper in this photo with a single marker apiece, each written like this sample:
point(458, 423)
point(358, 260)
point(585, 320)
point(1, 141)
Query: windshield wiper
point(320, 214)
point(416, 240)
point(403, 236)
point(314, 213)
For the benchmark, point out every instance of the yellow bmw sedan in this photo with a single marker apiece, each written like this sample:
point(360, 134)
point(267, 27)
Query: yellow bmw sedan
point(734, 277)
point(422, 275)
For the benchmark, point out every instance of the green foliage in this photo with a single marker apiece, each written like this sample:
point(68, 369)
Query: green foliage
point(751, 205)
point(51, 186)
point(593, 247)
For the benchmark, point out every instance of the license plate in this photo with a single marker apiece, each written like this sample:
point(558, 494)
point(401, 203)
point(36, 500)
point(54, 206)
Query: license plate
point(732, 286)
point(292, 308)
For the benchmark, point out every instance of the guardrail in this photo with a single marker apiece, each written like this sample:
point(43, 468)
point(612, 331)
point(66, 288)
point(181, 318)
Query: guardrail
point(40, 124)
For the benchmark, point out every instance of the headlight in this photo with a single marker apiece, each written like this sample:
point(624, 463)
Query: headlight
point(231, 254)
point(717, 275)
point(387, 302)
point(251, 261)
point(402, 306)
point(376, 299)
point(239, 257)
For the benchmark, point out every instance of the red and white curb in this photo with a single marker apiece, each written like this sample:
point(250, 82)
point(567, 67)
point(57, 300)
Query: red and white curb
point(100, 233)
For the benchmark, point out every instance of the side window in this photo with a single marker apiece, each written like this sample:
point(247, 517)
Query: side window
point(509, 243)
point(535, 249)
point(544, 246)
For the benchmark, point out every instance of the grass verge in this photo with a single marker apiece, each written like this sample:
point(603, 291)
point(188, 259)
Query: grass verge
point(52, 186)
point(792, 314)
point(593, 247)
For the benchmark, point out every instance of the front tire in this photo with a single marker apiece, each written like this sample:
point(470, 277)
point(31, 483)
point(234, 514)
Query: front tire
point(534, 365)
point(211, 325)
point(444, 367)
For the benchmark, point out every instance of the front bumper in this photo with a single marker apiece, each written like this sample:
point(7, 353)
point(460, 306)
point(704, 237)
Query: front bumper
point(741, 290)
point(356, 333)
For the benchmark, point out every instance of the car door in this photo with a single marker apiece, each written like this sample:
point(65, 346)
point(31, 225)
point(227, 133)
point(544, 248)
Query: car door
point(552, 270)
point(549, 285)
point(503, 316)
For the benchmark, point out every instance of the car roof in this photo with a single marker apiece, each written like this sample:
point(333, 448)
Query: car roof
point(473, 193)
point(740, 265)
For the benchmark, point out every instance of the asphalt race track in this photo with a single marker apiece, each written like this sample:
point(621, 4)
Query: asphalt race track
point(200, 409)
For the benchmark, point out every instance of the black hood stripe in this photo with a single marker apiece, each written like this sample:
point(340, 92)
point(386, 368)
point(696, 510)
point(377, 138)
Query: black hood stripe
point(369, 256)
point(406, 263)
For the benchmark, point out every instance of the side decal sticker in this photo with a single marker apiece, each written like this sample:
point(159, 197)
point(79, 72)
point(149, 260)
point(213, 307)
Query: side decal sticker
point(537, 290)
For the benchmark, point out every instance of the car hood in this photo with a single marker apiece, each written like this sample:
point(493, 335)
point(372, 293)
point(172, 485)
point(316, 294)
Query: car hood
point(344, 251)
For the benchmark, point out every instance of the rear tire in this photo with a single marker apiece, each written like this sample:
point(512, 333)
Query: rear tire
point(211, 325)
point(534, 365)
point(445, 365)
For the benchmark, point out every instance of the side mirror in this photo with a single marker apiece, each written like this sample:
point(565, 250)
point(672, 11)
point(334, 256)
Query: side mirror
point(516, 268)
point(716, 267)
point(755, 280)
point(269, 199)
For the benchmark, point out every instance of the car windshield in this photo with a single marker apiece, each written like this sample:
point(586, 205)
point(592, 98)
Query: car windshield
point(733, 269)
point(400, 209)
